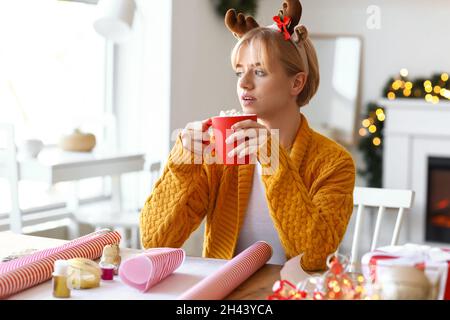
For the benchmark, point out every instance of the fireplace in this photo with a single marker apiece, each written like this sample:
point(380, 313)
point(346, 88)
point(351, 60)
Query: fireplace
point(438, 200)
point(414, 132)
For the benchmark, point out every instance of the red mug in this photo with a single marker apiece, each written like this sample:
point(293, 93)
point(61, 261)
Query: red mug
point(222, 130)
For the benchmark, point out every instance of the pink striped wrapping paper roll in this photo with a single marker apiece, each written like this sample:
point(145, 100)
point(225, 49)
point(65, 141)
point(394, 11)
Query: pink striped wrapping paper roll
point(41, 270)
point(152, 266)
point(17, 263)
point(220, 284)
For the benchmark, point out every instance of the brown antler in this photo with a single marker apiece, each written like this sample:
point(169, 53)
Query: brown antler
point(293, 9)
point(239, 24)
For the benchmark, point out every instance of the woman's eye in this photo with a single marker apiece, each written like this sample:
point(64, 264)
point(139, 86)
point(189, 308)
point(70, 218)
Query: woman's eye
point(239, 74)
point(260, 73)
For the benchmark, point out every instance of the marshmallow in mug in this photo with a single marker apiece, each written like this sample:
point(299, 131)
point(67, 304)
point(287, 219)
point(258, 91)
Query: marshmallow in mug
point(232, 112)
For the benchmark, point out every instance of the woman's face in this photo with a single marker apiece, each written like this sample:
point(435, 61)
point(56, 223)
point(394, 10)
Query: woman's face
point(259, 90)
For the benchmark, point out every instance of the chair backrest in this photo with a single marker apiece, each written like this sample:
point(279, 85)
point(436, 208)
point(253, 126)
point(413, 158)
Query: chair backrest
point(381, 198)
point(9, 169)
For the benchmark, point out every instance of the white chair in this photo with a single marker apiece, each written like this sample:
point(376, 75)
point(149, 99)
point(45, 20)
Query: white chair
point(381, 198)
point(9, 169)
point(102, 215)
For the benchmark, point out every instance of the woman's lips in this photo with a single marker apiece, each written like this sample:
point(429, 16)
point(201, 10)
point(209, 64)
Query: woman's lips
point(248, 103)
point(248, 100)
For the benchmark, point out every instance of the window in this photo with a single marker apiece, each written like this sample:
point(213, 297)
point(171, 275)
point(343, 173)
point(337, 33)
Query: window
point(52, 68)
point(52, 78)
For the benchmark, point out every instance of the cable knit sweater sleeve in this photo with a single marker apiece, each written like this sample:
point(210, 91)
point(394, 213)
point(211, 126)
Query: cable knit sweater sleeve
point(312, 220)
point(179, 201)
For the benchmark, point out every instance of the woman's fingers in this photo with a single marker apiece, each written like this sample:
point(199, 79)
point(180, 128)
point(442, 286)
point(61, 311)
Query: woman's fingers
point(194, 125)
point(206, 124)
point(197, 148)
point(260, 134)
point(250, 150)
point(206, 137)
point(195, 136)
point(246, 124)
point(193, 146)
point(252, 143)
point(188, 134)
point(199, 125)
point(246, 128)
point(241, 134)
point(251, 133)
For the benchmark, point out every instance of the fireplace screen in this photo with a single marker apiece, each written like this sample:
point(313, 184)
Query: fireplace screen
point(438, 200)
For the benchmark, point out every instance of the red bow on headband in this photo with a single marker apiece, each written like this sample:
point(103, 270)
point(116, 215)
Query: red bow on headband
point(283, 24)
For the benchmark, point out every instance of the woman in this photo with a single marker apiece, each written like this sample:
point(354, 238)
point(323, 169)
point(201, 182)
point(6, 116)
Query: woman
point(304, 206)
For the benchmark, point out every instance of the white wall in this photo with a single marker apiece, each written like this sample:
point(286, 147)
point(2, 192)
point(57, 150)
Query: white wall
point(203, 82)
point(412, 35)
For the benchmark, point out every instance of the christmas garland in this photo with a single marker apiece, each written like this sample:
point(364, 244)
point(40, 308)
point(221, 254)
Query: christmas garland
point(371, 134)
point(433, 90)
point(244, 6)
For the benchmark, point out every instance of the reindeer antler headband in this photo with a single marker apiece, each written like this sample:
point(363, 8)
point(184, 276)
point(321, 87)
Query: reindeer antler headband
point(286, 22)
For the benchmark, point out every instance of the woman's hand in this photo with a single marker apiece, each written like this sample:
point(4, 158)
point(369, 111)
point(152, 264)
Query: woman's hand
point(252, 133)
point(195, 136)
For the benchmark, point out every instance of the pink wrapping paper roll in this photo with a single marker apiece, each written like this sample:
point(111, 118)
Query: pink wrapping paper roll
point(17, 263)
point(220, 284)
point(150, 267)
point(34, 273)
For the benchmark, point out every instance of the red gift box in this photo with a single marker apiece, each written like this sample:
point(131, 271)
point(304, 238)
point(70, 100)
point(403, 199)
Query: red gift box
point(419, 256)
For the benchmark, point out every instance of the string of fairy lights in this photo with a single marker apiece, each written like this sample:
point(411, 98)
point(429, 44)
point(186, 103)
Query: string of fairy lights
point(432, 90)
point(369, 125)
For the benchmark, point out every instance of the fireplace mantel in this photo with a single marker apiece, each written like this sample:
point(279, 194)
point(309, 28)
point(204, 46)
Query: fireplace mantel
point(414, 131)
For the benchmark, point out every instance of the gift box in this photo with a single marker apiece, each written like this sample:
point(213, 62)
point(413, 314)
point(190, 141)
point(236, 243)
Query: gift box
point(408, 267)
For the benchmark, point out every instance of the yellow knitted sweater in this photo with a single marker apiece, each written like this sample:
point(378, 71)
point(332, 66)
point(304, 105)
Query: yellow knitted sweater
point(309, 198)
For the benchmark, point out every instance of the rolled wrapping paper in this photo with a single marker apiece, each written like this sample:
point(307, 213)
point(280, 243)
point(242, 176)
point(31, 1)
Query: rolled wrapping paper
point(221, 283)
point(19, 262)
point(41, 270)
point(149, 268)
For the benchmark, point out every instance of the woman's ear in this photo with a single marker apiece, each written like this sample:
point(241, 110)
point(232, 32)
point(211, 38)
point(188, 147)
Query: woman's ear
point(299, 82)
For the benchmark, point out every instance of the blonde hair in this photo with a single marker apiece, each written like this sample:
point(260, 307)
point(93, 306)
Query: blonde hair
point(272, 45)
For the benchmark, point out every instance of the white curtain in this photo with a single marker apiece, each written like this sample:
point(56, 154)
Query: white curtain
point(142, 92)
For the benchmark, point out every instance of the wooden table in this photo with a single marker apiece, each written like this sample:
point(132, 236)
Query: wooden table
point(257, 287)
